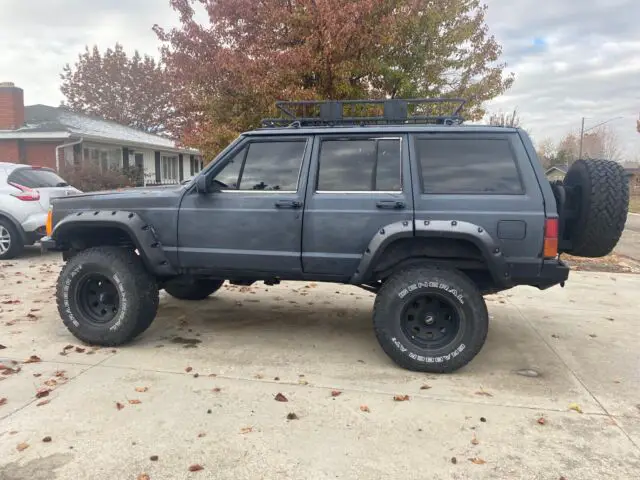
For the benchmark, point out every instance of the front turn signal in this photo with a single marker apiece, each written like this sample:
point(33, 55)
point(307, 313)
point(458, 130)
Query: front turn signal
point(49, 224)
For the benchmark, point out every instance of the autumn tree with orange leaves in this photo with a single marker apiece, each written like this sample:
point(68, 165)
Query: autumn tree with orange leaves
point(249, 53)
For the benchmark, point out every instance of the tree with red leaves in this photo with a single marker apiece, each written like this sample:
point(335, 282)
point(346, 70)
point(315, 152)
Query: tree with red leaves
point(249, 53)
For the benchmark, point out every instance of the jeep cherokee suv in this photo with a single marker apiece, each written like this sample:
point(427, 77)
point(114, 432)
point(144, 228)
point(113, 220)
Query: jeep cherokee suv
point(427, 213)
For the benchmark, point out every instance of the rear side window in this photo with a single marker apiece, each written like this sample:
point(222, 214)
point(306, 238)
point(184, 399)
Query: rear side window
point(468, 166)
point(359, 165)
point(36, 178)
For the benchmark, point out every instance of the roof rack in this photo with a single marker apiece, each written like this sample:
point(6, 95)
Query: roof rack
point(367, 112)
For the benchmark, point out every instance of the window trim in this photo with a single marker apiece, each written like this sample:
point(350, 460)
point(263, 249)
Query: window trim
point(356, 137)
point(246, 145)
point(467, 136)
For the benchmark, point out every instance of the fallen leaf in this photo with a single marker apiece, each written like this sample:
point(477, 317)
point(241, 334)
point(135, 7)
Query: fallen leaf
point(575, 406)
point(134, 401)
point(43, 392)
point(119, 406)
point(280, 398)
point(46, 439)
point(483, 393)
point(80, 350)
point(188, 369)
point(144, 476)
point(474, 440)
point(3, 401)
point(336, 393)
point(202, 434)
point(483, 420)
point(542, 421)
point(22, 446)
point(68, 347)
point(593, 335)
point(364, 408)
point(2, 347)
point(11, 302)
point(454, 460)
point(153, 458)
point(258, 376)
point(246, 430)
point(196, 468)
point(303, 382)
point(292, 416)
point(59, 373)
point(401, 398)
point(477, 461)
point(42, 402)
point(51, 382)
point(141, 389)
point(31, 315)
point(216, 389)
point(33, 359)
point(37, 375)
point(425, 387)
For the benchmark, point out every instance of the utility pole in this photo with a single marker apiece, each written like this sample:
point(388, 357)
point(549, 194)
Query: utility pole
point(581, 140)
point(583, 131)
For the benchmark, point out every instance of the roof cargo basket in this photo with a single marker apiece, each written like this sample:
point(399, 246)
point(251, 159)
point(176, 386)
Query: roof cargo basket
point(439, 111)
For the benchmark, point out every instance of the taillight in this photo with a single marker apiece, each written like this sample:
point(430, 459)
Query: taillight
point(26, 194)
point(49, 224)
point(551, 238)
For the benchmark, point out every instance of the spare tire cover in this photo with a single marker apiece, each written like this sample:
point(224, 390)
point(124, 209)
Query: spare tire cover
point(602, 191)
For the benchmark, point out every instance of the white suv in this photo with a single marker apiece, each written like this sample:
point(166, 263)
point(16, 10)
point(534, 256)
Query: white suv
point(25, 192)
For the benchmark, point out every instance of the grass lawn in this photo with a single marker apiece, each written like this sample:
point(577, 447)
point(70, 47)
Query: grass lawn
point(634, 204)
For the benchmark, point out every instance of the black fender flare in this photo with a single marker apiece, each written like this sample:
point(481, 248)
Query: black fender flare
point(490, 249)
point(16, 224)
point(132, 224)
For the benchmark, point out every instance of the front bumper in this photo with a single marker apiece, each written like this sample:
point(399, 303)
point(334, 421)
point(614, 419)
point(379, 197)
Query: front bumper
point(48, 244)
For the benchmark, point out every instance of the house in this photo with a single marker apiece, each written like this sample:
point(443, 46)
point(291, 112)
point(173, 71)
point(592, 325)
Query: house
point(556, 172)
point(633, 174)
point(55, 137)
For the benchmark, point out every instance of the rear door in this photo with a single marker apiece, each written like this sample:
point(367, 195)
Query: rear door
point(357, 184)
point(46, 182)
point(482, 178)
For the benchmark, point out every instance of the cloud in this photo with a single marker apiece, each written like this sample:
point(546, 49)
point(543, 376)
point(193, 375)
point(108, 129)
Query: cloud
point(572, 58)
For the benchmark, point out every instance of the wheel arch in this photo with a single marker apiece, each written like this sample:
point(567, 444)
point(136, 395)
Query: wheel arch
point(10, 218)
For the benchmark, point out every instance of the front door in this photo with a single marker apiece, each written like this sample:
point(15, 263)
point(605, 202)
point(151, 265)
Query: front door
point(358, 184)
point(252, 219)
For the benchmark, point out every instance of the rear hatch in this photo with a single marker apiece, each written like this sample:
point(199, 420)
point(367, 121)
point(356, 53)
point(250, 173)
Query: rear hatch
point(41, 184)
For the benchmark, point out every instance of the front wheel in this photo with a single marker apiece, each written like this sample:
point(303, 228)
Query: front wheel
point(430, 320)
point(10, 242)
point(105, 296)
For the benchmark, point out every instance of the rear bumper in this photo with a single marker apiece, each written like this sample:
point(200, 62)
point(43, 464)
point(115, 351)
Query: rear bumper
point(542, 275)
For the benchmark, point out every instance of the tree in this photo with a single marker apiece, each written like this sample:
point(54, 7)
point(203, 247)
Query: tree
point(546, 152)
point(503, 119)
point(133, 91)
point(247, 55)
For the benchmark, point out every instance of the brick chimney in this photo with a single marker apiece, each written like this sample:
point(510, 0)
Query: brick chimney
point(11, 106)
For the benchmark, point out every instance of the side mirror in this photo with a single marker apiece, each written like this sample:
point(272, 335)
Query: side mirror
point(201, 184)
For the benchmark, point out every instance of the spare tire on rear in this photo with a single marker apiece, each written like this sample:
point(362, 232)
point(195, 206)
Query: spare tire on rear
point(600, 192)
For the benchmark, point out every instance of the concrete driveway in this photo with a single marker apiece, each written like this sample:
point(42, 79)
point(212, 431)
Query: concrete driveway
point(630, 242)
point(199, 388)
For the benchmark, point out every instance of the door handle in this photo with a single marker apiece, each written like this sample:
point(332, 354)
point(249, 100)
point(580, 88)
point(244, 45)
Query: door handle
point(288, 204)
point(392, 204)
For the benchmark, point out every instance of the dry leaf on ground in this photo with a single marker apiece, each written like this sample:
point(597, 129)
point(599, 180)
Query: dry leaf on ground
point(201, 434)
point(22, 446)
point(188, 369)
point(401, 398)
point(134, 401)
point(477, 461)
point(246, 430)
point(542, 421)
point(196, 468)
point(144, 476)
point(141, 389)
point(574, 406)
point(119, 406)
point(43, 392)
point(80, 350)
point(42, 402)
point(292, 416)
point(336, 393)
point(474, 440)
point(33, 359)
point(425, 387)
point(68, 347)
point(3, 401)
point(482, 392)
point(280, 398)
point(46, 439)
point(364, 408)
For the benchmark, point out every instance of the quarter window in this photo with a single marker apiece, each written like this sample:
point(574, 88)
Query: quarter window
point(468, 166)
point(359, 165)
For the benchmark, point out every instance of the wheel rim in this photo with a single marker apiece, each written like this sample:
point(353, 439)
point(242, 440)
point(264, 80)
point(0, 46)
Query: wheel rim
point(5, 240)
point(98, 298)
point(430, 321)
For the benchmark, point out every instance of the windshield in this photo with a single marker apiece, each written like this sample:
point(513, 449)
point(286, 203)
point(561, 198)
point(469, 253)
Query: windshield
point(36, 178)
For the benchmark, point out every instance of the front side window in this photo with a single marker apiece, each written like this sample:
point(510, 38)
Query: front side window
point(266, 165)
point(360, 165)
point(468, 166)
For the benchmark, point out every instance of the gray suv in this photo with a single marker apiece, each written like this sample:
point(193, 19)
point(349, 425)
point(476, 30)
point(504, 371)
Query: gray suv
point(25, 193)
point(427, 213)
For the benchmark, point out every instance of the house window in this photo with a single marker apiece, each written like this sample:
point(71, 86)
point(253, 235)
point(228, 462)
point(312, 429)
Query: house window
point(105, 158)
point(169, 168)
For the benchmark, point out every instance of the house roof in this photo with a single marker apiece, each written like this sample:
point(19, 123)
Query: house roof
point(45, 122)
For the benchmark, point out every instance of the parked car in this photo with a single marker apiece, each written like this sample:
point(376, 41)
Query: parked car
point(25, 195)
point(427, 213)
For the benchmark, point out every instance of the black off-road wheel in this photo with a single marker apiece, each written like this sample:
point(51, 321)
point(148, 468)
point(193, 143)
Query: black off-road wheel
point(106, 297)
point(11, 245)
point(192, 288)
point(602, 198)
point(430, 320)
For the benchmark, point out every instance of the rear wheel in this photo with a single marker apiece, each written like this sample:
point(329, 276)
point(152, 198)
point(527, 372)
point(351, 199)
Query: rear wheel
point(600, 193)
point(11, 244)
point(105, 296)
point(192, 288)
point(430, 320)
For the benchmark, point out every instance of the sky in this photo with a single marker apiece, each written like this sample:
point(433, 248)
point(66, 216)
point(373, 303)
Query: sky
point(571, 58)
